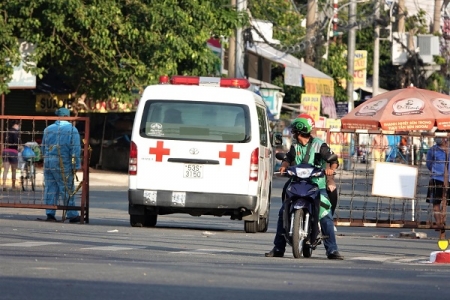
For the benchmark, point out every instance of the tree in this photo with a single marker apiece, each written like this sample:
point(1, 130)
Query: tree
point(284, 15)
point(334, 66)
point(287, 19)
point(9, 50)
point(108, 48)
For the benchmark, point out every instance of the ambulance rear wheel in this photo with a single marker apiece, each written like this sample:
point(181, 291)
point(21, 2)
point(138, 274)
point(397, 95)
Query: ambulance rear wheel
point(143, 220)
point(264, 220)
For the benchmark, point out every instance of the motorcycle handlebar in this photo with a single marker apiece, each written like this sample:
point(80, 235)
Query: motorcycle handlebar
point(279, 173)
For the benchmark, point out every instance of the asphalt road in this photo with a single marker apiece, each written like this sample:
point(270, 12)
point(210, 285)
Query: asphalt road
point(187, 257)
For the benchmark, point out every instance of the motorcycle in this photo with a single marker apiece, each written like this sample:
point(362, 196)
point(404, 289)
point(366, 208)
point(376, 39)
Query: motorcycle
point(302, 199)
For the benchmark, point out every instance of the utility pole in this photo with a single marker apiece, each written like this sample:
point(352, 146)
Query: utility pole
point(232, 50)
point(310, 30)
point(437, 16)
point(351, 53)
point(240, 46)
point(376, 52)
point(401, 16)
point(335, 19)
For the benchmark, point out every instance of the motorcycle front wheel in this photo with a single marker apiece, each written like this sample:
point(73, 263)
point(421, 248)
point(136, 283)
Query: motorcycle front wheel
point(298, 233)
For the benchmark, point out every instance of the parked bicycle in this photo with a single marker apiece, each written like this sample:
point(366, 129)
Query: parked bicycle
point(30, 154)
point(28, 178)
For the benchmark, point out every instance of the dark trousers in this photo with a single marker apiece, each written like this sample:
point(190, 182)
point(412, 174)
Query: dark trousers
point(333, 197)
point(326, 223)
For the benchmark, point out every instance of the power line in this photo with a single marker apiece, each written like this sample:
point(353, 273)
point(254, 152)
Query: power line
point(343, 26)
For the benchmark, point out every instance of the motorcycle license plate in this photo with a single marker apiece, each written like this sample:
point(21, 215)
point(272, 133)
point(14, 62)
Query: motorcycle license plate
point(193, 171)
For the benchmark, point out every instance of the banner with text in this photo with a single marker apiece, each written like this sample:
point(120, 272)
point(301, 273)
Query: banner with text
point(50, 103)
point(311, 103)
point(329, 107)
point(322, 86)
point(360, 70)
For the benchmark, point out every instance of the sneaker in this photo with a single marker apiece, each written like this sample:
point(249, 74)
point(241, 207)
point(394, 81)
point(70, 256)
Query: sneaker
point(76, 219)
point(51, 218)
point(275, 252)
point(335, 255)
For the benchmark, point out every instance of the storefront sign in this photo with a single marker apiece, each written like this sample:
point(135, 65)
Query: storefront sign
point(50, 103)
point(333, 123)
point(341, 109)
point(360, 70)
point(322, 86)
point(293, 76)
point(340, 144)
point(273, 99)
point(311, 103)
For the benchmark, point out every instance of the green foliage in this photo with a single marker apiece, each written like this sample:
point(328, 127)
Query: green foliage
point(9, 50)
point(439, 60)
point(387, 72)
point(336, 67)
point(108, 48)
point(436, 82)
point(418, 22)
point(285, 17)
point(291, 93)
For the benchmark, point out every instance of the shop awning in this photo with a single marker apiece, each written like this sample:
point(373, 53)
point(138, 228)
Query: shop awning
point(370, 90)
point(263, 84)
point(286, 60)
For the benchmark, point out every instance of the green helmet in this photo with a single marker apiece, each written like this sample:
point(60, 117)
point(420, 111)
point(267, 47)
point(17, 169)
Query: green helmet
point(302, 125)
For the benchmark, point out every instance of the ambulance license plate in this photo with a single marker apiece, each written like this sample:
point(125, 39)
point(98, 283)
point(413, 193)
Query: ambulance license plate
point(178, 198)
point(193, 171)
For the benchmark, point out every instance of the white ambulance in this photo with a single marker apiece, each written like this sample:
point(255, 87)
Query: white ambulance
point(201, 146)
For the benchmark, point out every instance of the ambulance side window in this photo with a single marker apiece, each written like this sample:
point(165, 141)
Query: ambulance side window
point(262, 120)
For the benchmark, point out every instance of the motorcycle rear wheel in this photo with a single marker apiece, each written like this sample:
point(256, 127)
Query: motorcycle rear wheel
point(298, 234)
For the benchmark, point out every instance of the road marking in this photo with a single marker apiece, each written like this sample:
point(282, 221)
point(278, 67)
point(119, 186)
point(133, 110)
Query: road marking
point(203, 251)
point(371, 258)
point(434, 275)
point(29, 244)
point(393, 259)
point(114, 248)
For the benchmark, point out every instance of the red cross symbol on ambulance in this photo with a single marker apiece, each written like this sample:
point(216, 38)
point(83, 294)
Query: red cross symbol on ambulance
point(159, 151)
point(229, 155)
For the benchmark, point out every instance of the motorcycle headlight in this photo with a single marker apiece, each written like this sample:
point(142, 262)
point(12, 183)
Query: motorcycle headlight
point(303, 172)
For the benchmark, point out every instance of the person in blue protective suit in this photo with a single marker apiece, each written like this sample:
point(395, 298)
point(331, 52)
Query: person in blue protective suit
point(319, 151)
point(61, 152)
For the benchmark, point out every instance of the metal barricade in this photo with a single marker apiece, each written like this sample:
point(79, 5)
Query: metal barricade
point(31, 130)
point(357, 205)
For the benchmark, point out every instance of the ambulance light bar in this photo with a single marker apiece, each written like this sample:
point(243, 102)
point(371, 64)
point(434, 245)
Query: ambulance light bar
point(206, 81)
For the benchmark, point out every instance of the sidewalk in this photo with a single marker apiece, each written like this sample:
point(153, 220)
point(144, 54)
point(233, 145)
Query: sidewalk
point(96, 178)
point(106, 178)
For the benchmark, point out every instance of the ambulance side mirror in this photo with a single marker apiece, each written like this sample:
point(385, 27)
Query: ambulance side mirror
point(277, 139)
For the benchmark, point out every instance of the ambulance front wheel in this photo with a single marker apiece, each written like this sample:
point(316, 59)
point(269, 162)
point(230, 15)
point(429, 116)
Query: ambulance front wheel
point(143, 220)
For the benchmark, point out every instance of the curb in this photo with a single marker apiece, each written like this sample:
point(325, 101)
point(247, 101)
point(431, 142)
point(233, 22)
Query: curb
point(440, 257)
point(106, 179)
point(413, 235)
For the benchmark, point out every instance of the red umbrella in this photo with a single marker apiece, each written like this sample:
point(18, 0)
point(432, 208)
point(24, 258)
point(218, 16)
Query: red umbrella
point(401, 110)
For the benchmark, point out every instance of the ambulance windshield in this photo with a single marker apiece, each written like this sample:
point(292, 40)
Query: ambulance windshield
point(196, 121)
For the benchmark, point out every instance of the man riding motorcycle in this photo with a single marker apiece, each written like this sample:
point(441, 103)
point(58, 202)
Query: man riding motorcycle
point(318, 152)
